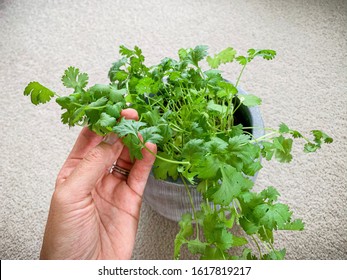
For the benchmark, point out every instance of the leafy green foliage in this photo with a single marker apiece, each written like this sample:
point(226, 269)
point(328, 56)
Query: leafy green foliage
point(74, 79)
point(186, 230)
point(189, 113)
point(131, 131)
point(249, 100)
point(223, 57)
point(232, 185)
point(319, 138)
point(38, 93)
point(252, 53)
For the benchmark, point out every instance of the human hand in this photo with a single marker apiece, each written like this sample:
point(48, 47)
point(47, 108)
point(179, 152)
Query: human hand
point(94, 214)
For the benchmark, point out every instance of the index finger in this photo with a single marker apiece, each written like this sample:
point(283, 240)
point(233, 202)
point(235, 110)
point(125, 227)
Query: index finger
point(85, 142)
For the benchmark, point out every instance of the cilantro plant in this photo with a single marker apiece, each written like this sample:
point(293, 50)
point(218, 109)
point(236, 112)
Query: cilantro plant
point(191, 114)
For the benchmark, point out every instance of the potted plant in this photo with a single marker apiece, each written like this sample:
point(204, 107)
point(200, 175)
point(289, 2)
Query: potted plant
point(210, 140)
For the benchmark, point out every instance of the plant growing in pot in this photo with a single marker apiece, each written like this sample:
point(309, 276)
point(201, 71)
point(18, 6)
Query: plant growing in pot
point(210, 140)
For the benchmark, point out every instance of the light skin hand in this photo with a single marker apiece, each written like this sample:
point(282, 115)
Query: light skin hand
point(94, 214)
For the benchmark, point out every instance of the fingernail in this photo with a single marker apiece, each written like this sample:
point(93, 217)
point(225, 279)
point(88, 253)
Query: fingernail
point(110, 138)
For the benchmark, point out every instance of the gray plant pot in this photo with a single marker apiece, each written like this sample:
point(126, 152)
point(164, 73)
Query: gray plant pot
point(170, 199)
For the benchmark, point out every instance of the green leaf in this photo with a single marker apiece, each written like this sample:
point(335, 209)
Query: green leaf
point(116, 73)
point(100, 90)
point(320, 137)
point(216, 233)
point(266, 54)
point(275, 255)
point(249, 100)
point(233, 183)
point(98, 103)
point(208, 167)
point(243, 155)
point(247, 255)
point(65, 117)
point(242, 60)
point(283, 128)
point(213, 253)
point(283, 148)
point(38, 93)
point(144, 86)
point(211, 106)
point(270, 193)
point(125, 127)
point(238, 241)
point(195, 246)
point(186, 230)
point(151, 134)
point(213, 77)
point(272, 216)
point(266, 234)
point(224, 56)
point(227, 90)
point(296, 134)
point(216, 146)
point(198, 54)
point(186, 225)
point(294, 225)
point(106, 120)
point(175, 76)
point(77, 116)
point(117, 95)
point(267, 150)
point(248, 226)
point(178, 243)
point(182, 54)
point(64, 102)
point(114, 110)
point(162, 169)
point(134, 146)
point(151, 117)
point(129, 130)
point(193, 150)
point(93, 117)
point(72, 78)
point(280, 147)
point(125, 51)
point(310, 147)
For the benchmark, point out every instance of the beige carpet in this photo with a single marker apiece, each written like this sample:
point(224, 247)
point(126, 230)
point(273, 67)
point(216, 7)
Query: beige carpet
point(305, 86)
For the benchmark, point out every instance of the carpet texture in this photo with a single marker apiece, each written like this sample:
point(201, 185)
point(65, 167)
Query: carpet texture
point(305, 87)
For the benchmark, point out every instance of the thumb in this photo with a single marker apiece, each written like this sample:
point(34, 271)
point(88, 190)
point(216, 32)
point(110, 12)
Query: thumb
point(139, 173)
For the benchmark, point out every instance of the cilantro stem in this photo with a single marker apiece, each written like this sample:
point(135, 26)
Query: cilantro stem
point(176, 148)
point(165, 159)
point(176, 127)
point(155, 103)
point(238, 106)
point(258, 247)
point(193, 206)
point(89, 108)
point(222, 253)
point(272, 247)
point(236, 202)
point(263, 137)
point(95, 108)
point(239, 77)
point(200, 72)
